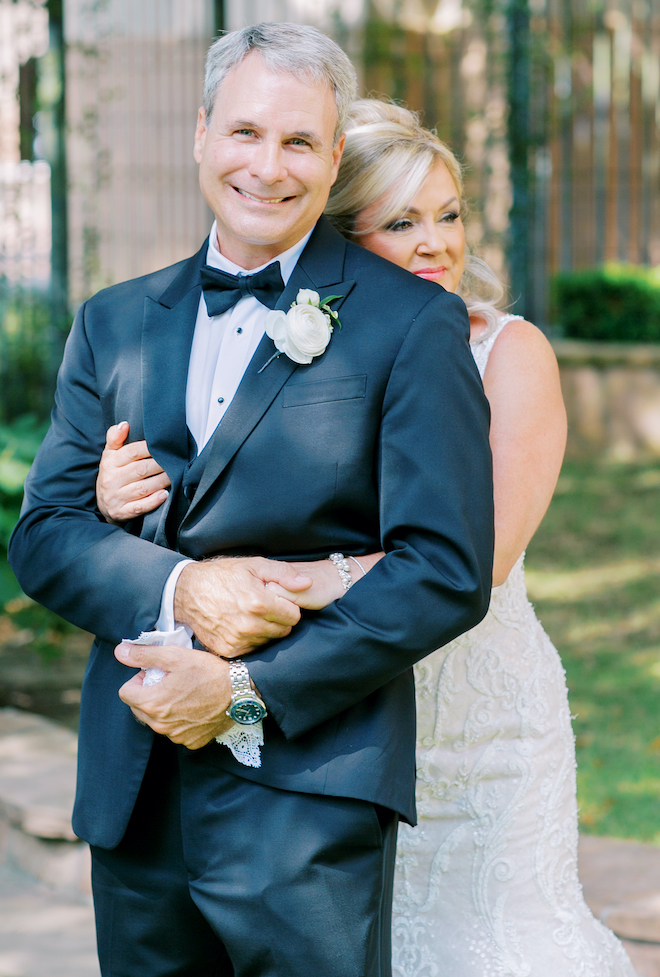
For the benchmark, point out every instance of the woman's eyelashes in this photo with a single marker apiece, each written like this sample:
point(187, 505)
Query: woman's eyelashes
point(406, 223)
point(403, 224)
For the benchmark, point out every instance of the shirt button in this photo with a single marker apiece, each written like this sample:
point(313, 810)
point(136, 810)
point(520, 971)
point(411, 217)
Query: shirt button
point(221, 400)
point(239, 330)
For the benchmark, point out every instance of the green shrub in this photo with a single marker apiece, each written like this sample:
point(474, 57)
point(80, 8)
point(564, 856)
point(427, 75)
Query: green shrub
point(19, 443)
point(29, 335)
point(46, 633)
point(615, 303)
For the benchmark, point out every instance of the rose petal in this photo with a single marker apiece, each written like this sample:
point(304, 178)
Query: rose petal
point(295, 354)
point(307, 296)
point(308, 329)
point(276, 327)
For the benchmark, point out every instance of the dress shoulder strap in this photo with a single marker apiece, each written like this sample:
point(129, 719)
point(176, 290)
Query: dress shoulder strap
point(483, 344)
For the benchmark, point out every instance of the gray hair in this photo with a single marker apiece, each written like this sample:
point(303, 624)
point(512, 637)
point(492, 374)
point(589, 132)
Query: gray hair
point(295, 49)
point(387, 157)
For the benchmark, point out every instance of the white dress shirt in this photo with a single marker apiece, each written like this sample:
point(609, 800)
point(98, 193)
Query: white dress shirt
point(222, 348)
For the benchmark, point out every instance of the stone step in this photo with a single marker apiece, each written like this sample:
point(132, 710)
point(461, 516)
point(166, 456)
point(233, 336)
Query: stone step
point(621, 882)
point(37, 789)
point(637, 919)
point(44, 932)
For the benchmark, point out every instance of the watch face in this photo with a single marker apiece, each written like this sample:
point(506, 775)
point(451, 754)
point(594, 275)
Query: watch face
point(247, 711)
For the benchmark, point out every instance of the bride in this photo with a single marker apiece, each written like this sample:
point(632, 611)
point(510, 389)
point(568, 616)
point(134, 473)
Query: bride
point(486, 884)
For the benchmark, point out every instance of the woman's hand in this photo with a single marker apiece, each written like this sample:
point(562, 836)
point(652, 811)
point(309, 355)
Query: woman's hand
point(129, 482)
point(326, 582)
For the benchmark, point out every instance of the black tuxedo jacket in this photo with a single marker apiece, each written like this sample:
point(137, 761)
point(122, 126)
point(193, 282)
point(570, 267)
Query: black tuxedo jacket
point(380, 443)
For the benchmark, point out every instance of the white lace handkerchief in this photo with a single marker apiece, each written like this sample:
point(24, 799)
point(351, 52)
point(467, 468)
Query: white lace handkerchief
point(243, 741)
point(181, 636)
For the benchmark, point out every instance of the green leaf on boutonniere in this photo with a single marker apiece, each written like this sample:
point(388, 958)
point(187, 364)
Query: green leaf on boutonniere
point(324, 304)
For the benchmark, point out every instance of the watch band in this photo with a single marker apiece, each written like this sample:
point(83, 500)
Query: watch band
point(245, 708)
point(240, 679)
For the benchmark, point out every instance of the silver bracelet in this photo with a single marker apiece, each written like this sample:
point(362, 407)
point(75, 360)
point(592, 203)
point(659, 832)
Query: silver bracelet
point(343, 568)
point(364, 572)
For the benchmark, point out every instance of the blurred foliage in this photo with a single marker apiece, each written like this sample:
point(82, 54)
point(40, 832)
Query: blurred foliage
point(24, 621)
point(615, 303)
point(385, 44)
point(30, 341)
point(19, 443)
point(593, 574)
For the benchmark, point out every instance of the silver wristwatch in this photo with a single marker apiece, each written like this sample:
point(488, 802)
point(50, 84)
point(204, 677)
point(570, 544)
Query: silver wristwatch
point(246, 708)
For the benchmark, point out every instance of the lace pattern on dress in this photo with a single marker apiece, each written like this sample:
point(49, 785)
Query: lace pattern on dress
point(487, 884)
point(481, 346)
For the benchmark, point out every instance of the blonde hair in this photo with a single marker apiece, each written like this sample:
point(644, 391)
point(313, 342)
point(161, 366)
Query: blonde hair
point(389, 155)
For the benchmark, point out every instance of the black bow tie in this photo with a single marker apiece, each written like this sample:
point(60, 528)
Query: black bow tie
point(222, 290)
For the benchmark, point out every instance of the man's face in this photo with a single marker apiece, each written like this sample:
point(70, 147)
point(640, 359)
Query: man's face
point(266, 159)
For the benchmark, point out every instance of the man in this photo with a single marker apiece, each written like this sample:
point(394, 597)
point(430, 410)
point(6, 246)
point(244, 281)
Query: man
point(204, 866)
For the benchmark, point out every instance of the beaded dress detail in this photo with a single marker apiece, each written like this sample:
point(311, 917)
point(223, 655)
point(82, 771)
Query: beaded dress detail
point(486, 885)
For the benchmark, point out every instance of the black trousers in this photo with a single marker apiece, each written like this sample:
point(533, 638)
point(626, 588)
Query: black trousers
point(221, 877)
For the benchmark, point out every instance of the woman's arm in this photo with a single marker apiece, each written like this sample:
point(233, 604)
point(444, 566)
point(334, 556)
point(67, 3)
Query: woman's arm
point(130, 482)
point(527, 436)
point(326, 582)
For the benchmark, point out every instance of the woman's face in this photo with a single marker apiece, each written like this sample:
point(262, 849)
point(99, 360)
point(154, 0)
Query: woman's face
point(429, 239)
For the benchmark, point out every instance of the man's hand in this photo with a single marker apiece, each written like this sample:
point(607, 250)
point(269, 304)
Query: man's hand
point(130, 482)
point(189, 704)
point(227, 603)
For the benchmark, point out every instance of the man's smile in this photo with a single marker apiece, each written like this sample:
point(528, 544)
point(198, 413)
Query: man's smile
point(263, 200)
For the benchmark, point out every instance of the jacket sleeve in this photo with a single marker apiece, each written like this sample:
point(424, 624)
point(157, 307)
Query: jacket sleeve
point(63, 553)
point(436, 517)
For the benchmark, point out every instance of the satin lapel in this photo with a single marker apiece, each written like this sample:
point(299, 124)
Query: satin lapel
point(320, 268)
point(167, 333)
point(166, 341)
point(254, 396)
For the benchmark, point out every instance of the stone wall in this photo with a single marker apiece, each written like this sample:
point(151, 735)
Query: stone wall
point(612, 395)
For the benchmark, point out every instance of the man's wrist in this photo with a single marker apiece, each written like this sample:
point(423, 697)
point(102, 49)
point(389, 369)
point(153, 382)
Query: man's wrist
point(180, 602)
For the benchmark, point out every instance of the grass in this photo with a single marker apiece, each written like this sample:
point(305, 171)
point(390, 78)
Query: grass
point(593, 575)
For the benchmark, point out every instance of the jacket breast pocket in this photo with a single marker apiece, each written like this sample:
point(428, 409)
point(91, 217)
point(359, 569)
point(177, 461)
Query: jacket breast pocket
point(324, 391)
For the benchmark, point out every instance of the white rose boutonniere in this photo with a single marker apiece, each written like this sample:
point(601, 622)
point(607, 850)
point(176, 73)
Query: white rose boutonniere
point(305, 330)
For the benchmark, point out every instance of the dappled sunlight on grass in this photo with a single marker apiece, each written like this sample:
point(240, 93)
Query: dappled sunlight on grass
point(623, 626)
point(647, 785)
point(573, 585)
point(593, 572)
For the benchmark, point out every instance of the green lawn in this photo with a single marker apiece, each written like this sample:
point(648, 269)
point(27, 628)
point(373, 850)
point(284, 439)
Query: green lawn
point(594, 575)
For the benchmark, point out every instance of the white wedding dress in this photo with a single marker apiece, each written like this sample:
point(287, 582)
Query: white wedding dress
point(486, 885)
